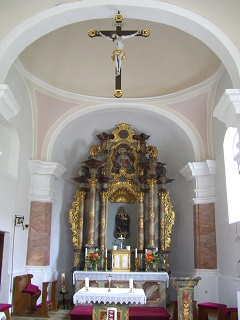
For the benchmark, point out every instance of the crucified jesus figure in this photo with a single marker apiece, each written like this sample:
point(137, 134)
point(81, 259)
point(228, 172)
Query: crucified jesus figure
point(118, 53)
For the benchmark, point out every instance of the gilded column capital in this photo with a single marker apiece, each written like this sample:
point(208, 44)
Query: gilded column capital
point(104, 195)
point(80, 195)
point(141, 196)
point(151, 183)
point(92, 182)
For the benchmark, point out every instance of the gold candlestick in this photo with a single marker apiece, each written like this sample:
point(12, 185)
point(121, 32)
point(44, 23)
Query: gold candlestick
point(137, 264)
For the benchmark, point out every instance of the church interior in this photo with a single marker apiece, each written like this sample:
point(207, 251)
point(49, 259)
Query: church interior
point(115, 154)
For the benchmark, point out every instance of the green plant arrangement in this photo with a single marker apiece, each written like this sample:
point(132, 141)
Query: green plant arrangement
point(93, 258)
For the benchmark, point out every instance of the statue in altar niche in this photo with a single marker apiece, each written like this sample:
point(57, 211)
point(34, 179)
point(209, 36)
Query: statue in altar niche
point(122, 223)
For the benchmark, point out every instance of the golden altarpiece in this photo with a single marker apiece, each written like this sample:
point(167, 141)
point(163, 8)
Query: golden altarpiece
point(122, 169)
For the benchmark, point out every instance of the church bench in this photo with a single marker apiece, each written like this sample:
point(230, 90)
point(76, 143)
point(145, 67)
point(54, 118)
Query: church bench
point(4, 307)
point(25, 295)
point(135, 313)
point(43, 308)
point(210, 308)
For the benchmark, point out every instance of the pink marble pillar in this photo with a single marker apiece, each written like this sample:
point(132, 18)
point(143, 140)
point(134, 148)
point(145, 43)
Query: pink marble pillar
point(38, 253)
point(204, 236)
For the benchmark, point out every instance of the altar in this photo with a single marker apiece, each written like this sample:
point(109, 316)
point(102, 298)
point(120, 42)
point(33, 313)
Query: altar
point(154, 284)
point(104, 298)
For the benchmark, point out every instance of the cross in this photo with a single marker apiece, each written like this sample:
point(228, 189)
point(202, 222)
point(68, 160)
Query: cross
point(118, 36)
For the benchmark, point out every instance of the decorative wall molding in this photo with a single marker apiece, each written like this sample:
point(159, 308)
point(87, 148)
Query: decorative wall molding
point(43, 175)
point(8, 104)
point(202, 174)
point(228, 108)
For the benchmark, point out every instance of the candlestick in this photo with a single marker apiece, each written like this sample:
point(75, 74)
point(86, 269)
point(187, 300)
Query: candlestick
point(109, 282)
point(131, 285)
point(63, 282)
point(87, 283)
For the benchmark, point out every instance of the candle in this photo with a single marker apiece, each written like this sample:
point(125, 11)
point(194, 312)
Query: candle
point(136, 253)
point(131, 283)
point(87, 282)
point(85, 252)
point(63, 282)
point(156, 249)
point(106, 252)
point(145, 251)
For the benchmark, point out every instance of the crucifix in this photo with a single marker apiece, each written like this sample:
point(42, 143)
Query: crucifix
point(118, 36)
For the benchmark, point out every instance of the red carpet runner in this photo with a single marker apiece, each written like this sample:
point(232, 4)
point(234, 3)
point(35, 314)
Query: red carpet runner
point(135, 313)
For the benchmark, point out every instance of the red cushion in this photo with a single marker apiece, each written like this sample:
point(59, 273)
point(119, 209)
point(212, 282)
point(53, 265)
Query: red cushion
point(48, 302)
point(211, 305)
point(82, 310)
point(229, 310)
point(148, 313)
point(4, 306)
point(31, 289)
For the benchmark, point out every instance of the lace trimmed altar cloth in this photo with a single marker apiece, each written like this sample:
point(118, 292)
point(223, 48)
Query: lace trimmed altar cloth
point(116, 295)
point(136, 276)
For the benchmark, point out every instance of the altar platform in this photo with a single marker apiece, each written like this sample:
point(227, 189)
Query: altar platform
point(154, 284)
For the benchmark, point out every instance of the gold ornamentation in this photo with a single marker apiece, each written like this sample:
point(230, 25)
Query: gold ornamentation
point(141, 197)
point(92, 182)
point(123, 127)
point(92, 33)
point(91, 241)
point(91, 214)
point(151, 215)
point(169, 218)
point(118, 18)
point(153, 153)
point(122, 191)
point(81, 223)
point(95, 150)
point(118, 93)
point(145, 33)
point(151, 183)
point(74, 217)
point(103, 223)
point(140, 223)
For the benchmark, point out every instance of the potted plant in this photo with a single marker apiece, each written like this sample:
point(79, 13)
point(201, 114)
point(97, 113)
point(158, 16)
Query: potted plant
point(128, 245)
point(115, 245)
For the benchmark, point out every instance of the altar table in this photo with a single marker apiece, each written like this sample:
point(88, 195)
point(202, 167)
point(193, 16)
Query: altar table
point(102, 299)
point(154, 284)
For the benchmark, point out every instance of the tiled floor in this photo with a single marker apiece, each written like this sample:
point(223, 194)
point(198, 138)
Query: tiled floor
point(53, 315)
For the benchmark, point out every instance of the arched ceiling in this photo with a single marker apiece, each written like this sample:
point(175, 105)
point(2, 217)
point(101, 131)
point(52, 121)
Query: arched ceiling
point(168, 61)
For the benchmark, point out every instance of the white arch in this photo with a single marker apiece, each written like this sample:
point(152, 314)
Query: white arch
point(39, 25)
point(175, 117)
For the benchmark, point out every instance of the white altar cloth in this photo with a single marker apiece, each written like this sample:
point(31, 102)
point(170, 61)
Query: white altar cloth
point(136, 276)
point(117, 295)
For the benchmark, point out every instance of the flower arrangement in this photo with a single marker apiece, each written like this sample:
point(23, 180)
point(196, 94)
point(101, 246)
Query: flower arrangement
point(93, 258)
point(151, 259)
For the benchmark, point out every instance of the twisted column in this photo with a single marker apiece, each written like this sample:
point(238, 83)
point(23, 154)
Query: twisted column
point(140, 242)
point(102, 235)
point(151, 212)
point(91, 215)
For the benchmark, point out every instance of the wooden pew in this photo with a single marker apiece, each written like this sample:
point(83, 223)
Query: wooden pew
point(45, 305)
point(54, 295)
point(25, 295)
